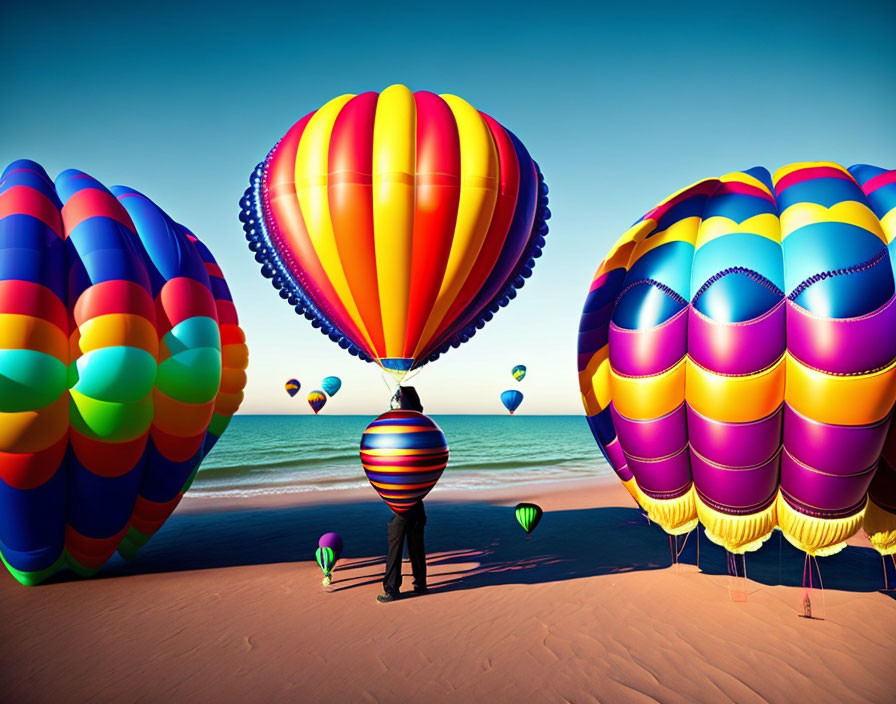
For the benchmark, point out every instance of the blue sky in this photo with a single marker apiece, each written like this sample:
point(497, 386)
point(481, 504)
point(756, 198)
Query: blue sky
point(620, 107)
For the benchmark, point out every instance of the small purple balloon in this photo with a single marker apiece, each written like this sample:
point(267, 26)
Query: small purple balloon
point(332, 541)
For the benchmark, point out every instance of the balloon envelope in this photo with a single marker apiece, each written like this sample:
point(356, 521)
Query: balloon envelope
point(398, 223)
point(332, 541)
point(121, 363)
point(736, 357)
point(331, 385)
point(511, 400)
point(519, 372)
point(316, 399)
point(326, 559)
point(528, 515)
point(403, 454)
point(292, 387)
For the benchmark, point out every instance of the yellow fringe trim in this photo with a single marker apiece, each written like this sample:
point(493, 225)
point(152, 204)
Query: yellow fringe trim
point(880, 526)
point(675, 516)
point(632, 489)
point(737, 534)
point(818, 537)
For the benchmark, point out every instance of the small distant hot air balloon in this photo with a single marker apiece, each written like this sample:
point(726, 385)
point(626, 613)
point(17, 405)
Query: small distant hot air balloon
point(403, 454)
point(519, 372)
point(328, 552)
point(331, 385)
point(528, 516)
point(316, 399)
point(326, 559)
point(292, 387)
point(511, 400)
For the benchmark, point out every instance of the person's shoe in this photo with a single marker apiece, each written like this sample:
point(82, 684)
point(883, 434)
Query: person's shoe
point(386, 597)
point(421, 590)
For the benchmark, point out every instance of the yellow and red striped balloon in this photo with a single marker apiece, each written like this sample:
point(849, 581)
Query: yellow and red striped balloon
point(398, 223)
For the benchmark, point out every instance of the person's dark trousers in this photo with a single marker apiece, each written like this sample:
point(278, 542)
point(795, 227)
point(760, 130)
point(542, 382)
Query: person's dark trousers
point(406, 526)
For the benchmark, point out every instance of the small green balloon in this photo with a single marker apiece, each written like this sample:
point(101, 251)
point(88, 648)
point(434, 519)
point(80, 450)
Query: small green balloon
point(325, 560)
point(528, 516)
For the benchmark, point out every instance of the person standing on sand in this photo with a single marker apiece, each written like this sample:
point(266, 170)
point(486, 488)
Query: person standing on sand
point(407, 526)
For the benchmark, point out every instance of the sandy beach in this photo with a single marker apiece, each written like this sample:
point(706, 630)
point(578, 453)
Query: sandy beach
point(225, 604)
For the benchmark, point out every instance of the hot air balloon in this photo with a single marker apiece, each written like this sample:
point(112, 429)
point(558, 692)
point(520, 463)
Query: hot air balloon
point(403, 454)
point(329, 550)
point(331, 385)
point(511, 400)
point(397, 223)
point(519, 372)
point(528, 516)
point(326, 560)
point(121, 363)
point(736, 358)
point(316, 399)
point(292, 387)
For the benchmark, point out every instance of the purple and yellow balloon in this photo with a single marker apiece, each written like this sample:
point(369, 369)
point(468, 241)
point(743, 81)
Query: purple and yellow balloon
point(736, 358)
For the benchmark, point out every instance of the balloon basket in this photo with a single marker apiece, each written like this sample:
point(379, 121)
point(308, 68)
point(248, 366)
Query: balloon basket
point(888, 562)
point(811, 599)
point(326, 582)
point(737, 578)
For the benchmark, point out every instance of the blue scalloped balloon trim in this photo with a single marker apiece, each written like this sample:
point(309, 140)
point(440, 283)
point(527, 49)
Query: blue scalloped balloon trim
point(517, 279)
point(272, 266)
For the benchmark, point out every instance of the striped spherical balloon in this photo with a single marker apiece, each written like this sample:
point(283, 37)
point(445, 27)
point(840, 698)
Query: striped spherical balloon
point(403, 453)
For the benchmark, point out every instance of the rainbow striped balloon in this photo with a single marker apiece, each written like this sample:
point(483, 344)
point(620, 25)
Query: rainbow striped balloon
point(403, 454)
point(399, 223)
point(121, 363)
point(737, 357)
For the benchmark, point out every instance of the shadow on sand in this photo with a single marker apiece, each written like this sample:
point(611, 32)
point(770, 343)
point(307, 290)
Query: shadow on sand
point(471, 546)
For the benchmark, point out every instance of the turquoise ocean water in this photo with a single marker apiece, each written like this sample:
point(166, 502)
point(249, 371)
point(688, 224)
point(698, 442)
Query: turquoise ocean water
point(289, 454)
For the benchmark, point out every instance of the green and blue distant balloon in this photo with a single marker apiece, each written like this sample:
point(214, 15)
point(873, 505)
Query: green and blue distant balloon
point(528, 516)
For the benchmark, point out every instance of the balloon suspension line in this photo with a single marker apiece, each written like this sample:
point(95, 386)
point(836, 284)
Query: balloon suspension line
point(883, 563)
point(392, 385)
point(808, 563)
point(733, 569)
point(780, 538)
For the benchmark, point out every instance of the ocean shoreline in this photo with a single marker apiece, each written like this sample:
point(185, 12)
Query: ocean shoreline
point(497, 495)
